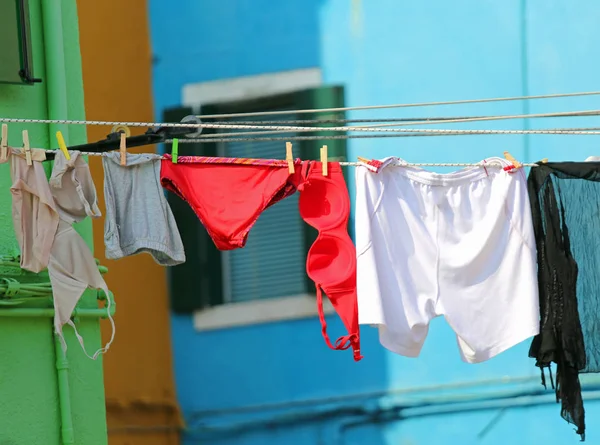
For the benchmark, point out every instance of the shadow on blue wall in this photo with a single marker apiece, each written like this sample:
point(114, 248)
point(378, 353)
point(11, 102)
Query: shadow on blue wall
point(272, 379)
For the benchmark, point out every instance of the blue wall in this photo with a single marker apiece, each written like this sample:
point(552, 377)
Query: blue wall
point(279, 382)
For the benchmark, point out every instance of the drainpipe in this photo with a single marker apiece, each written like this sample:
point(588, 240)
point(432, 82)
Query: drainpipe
point(56, 85)
point(64, 393)
point(56, 78)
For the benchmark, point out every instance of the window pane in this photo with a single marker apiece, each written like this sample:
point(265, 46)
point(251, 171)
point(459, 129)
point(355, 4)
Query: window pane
point(272, 264)
point(10, 57)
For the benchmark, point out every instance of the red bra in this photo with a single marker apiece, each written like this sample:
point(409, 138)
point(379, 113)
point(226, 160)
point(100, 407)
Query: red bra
point(331, 261)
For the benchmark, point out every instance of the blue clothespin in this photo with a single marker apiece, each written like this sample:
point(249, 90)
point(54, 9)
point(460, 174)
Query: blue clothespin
point(175, 150)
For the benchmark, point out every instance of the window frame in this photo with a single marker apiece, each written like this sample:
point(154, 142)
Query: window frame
point(19, 70)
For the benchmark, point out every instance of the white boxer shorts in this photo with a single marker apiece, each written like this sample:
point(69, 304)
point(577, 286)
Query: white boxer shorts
point(459, 245)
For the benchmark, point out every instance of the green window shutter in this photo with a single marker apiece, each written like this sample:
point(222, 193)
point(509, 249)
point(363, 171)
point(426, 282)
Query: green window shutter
point(197, 283)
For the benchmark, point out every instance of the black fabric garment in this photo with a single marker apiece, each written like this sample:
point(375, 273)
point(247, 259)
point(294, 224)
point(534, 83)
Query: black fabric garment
point(565, 203)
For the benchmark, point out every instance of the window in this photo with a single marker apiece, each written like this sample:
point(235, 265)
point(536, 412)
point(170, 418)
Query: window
point(15, 59)
point(273, 262)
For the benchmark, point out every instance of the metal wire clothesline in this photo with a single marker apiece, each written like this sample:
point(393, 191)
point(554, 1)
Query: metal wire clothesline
point(323, 110)
point(407, 105)
point(296, 128)
point(286, 128)
point(431, 121)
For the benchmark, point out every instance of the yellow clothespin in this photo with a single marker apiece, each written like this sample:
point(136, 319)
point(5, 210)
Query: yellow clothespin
point(123, 149)
point(26, 147)
point(510, 158)
point(62, 145)
point(324, 159)
point(289, 157)
point(545, 161)
point(4, 143)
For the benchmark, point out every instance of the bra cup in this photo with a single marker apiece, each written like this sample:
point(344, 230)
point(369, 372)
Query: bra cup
point(330, 262)
point(323, 204)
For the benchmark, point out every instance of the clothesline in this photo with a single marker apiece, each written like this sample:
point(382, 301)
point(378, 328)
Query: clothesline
point(425, 122)
point(323, 110)
point(408, 105)
point(286, 128)
point(352, 164)
point(221, 136)
point(416, 120)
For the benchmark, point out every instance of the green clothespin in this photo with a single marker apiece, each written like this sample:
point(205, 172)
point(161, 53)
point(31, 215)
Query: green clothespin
point(175, 150)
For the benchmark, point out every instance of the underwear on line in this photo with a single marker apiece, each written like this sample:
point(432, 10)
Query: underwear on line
point(132, 192)
point(458, 245)
point(227, 194)
point(43, 214)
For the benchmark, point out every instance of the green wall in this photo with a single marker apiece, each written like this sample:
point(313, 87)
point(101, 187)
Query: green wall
point(29, 404)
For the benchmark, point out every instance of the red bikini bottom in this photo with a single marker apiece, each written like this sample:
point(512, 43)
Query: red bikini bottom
point(227, 195)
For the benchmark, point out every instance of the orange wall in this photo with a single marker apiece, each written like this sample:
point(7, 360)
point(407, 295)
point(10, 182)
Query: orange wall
point(140, 395)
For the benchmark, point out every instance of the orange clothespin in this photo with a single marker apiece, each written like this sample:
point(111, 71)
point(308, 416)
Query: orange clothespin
point(324, 159)
point(361, 159)
point(4, 143)
point(289, 157)
point(27, 148)
point(510, 158)
point(123, 149)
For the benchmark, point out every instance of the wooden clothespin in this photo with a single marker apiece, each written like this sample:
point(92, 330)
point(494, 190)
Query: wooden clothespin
point(324, 159)
point(510, 158)
point(545, 161)
point(27, 148)
point(289, 157)
point(361, 159)
point(175, 150)
point(123, 149)
point(4, 143)
point(62, 145)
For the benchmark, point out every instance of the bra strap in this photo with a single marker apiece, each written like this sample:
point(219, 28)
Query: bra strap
point(341, 343)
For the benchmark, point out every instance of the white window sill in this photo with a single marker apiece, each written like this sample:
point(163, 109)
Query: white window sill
point(259, 312)
point(250, 87)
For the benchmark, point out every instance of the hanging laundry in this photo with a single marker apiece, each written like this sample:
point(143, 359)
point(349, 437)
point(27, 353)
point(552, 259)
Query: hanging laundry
point(42, 217)
point(227, 194)
point(331, 263)
point(72, 268)
point(459, 245)
point(138, 217)
point(35, 218)
point(565, 198)
point(75, 195)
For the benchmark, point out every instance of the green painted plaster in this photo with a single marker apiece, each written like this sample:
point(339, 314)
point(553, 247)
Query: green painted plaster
point(29, 402)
